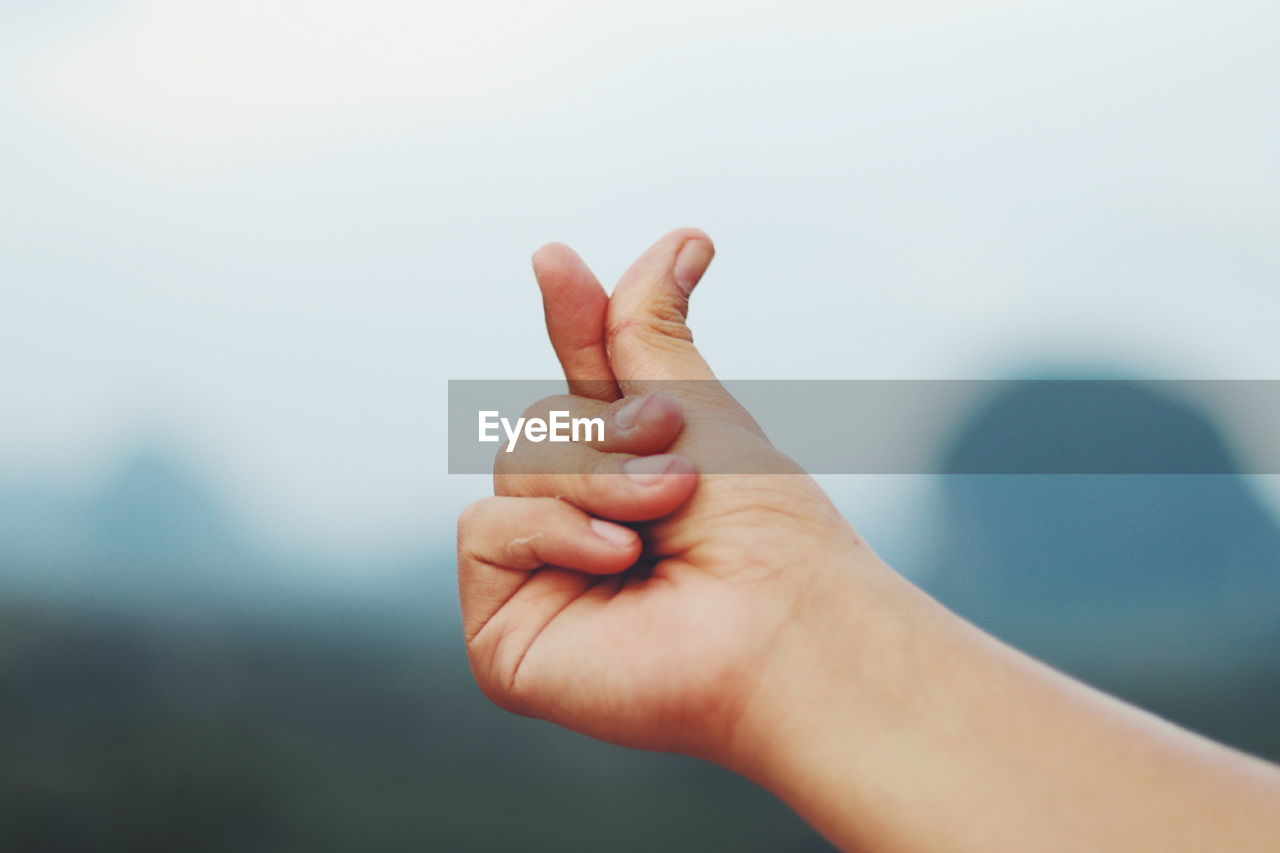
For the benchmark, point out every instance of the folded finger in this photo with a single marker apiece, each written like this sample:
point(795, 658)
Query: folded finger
point(502, 539)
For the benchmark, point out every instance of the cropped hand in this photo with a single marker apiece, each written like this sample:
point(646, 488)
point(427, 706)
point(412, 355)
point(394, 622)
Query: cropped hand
point(659, 634)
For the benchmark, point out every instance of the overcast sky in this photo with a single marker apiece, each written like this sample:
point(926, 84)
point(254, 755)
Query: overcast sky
point(269, 233)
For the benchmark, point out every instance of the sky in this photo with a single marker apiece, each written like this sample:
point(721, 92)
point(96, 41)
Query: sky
point(268, 234)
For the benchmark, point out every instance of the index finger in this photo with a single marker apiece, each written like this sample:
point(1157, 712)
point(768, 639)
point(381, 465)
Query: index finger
point(575, 307)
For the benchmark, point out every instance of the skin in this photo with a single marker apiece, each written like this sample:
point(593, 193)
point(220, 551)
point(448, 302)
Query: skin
point(740, 618)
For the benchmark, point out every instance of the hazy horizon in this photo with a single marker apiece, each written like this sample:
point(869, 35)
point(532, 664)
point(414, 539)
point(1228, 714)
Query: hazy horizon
point(271, 236)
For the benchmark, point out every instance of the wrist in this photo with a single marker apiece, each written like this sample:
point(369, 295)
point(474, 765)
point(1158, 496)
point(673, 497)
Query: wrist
point(838, 673)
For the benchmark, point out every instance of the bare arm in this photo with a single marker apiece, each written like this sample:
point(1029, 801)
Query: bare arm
point(935, 736)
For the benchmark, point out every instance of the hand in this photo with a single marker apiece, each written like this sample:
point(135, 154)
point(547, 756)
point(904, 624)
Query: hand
point(739, 618)
point(565, 620)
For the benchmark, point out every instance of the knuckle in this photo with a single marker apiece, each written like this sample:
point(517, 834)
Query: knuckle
point(556, 402)
point(501, 462)
point(468, 517)
point(668, 311)
point(522, 458)
point(494, 665)
point(669, 334)
point(669, 331)
point(521, 553)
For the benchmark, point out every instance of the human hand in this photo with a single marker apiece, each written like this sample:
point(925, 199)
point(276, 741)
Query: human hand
point(664, 637)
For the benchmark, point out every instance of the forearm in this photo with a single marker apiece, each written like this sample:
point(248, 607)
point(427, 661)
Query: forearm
point(895, 725)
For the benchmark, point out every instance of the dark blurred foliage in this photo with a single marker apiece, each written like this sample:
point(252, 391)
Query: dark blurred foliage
point(318, 733)
point(165, 687)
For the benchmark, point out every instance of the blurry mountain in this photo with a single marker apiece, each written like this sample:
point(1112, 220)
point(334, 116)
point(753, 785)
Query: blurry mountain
point(152, 533)
point(157, 536)
point(1165, 588)
point(36, 522)
point(154, 510)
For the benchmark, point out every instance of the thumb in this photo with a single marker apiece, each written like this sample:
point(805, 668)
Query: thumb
point(646, 333)
point(646, 337)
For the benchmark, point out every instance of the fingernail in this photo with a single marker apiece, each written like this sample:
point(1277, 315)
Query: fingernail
point(692, 261)
point(648, 470)
point(629, 414)
point(614, 534)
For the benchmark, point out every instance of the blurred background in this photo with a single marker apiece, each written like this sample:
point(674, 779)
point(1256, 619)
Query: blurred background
point(243, 246)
